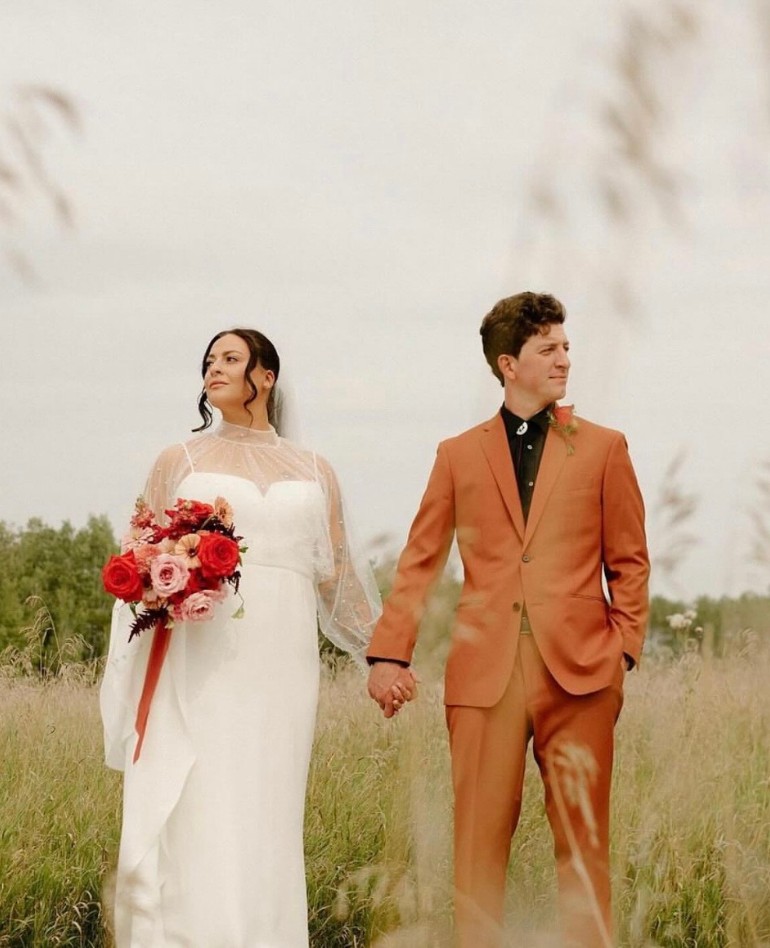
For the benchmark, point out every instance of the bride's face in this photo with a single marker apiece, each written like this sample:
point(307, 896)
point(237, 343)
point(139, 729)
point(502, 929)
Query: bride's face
point(225, 378)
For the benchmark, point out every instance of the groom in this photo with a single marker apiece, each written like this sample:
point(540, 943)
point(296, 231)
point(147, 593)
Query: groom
point(546, 509)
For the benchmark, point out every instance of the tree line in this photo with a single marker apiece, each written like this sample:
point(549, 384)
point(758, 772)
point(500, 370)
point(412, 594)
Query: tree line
point(53, 608)
point(52, 605)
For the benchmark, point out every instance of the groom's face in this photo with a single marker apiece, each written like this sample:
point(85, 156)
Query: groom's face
point(542, 368)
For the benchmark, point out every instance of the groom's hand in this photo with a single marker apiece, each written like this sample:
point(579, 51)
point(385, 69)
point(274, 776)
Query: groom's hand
point(391, 686)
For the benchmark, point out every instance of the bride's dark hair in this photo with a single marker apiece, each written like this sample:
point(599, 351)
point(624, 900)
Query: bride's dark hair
point(261, 352)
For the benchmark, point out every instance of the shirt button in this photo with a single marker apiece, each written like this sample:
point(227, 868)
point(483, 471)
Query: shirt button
point(529, 447)
point(526, 557)
point(531, 483)
point(516, 606)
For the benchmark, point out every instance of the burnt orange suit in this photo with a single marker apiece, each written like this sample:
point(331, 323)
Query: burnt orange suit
point(561, 685)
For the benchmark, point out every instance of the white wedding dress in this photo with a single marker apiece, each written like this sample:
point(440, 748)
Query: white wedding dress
point(212, 840)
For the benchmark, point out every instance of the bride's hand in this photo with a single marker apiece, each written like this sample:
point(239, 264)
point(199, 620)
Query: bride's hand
point(405, 689)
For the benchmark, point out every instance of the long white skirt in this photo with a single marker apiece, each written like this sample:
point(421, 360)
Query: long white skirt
point(212, 840)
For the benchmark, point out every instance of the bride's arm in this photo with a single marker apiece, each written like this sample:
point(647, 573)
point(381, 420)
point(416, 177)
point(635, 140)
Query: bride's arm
point(171, 466)
point(348, 599)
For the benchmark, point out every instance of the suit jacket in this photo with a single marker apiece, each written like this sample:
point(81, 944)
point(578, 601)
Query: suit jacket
point(586, 522)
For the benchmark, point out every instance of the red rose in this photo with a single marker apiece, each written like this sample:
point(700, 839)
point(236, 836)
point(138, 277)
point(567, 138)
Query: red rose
point(218, 555)
point(121, 578)
point(563, 414)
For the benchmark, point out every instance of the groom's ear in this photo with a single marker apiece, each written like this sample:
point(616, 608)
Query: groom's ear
point(507, 366)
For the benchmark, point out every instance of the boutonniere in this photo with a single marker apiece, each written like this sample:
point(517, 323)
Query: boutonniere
point(562, 419)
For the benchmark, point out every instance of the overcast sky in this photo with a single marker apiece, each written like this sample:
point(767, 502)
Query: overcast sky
point(352, 179)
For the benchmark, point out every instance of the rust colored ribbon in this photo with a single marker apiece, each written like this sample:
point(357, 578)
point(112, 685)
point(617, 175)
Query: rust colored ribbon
point(160, 641)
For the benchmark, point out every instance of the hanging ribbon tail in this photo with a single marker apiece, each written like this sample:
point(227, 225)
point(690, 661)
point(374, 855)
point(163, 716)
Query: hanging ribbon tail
point(160, 643)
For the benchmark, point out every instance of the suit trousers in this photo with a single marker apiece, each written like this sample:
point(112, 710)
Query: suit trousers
point(573, 745)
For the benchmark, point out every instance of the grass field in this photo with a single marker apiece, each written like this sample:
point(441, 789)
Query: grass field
point(691, 826)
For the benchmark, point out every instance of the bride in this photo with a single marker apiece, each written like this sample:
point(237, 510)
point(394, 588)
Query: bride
point(211, 846)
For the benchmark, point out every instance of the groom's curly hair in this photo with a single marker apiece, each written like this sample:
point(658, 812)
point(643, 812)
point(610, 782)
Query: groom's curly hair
point(512, 321)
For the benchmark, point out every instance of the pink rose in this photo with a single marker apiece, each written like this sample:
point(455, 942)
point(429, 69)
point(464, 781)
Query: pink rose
point(198, 607)
point(169, 574)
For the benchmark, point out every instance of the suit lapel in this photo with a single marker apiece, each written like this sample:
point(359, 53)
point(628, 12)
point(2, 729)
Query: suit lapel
point(551, 463)
point(494, 443)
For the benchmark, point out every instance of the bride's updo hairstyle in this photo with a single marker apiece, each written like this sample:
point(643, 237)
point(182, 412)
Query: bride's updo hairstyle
point(261, 352)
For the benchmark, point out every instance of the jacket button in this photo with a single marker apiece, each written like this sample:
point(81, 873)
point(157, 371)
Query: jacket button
point(526, 558)
point(516, 606)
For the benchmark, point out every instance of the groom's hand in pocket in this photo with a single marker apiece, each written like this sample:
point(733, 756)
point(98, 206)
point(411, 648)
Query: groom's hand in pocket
point(391, 686)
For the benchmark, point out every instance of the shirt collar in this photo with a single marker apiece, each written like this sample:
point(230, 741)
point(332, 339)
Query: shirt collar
point(513, 422)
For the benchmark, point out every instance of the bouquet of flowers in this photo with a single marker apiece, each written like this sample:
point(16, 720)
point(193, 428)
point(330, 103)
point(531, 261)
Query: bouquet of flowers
point(177, 572)
point(174, 573)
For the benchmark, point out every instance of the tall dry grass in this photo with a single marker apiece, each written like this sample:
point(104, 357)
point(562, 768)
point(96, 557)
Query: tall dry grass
point(59, 811)
point(691, 830)
point(692, 807)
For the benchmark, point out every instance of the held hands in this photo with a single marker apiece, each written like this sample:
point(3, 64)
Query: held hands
point(391, 686)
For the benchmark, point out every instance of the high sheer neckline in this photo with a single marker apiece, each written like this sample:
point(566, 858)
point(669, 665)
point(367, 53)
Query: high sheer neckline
point(239, 434)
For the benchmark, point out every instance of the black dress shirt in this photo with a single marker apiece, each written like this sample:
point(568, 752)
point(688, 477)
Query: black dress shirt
point(526, 440)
